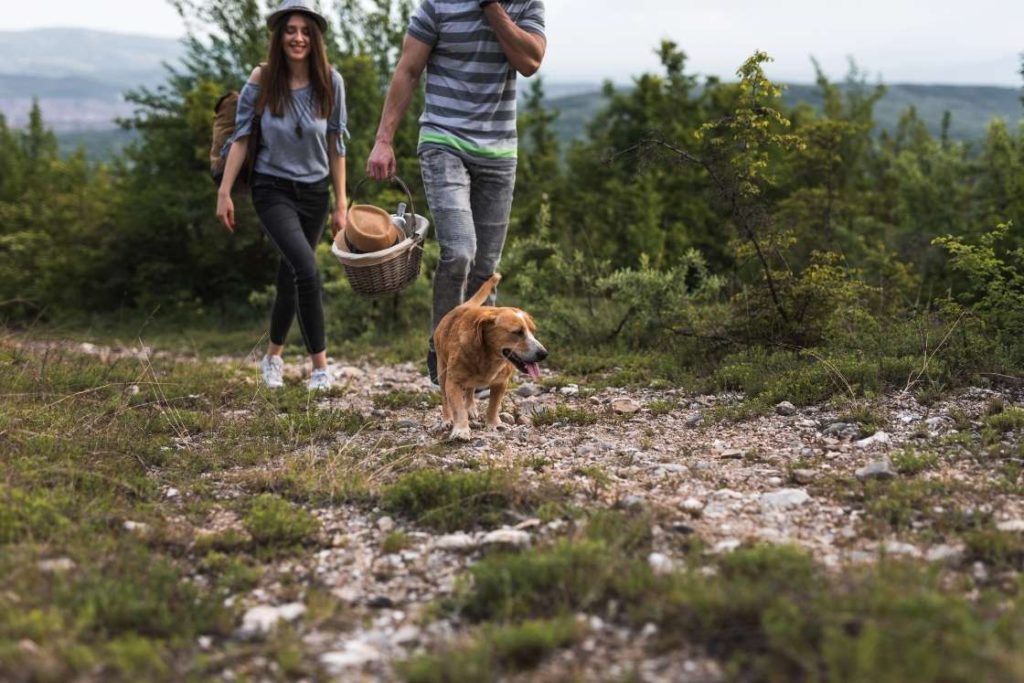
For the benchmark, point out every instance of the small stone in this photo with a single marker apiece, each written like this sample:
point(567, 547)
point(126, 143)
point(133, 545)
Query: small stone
point(172, 492)
point(356, 654)
point(694, 421)
point(649, 630)
point(385, 525)
point(775, 481)
point(786, 409)
point(727, 545)
point(407, 424)
point(626, 406)
point(569, 390)
point(459, 542)
point(877, 439)
point(261, 620)
point(945, 554)
point(879, 470)
point(349, 372)
point(510, 538)
point(139, 527)
point(1011, 526)
point(784, 499)
point(204, 642)
point(528, 524)
point(842, 430)
point(732, 454)
point(682, 528)
point(899, 548)
point(631, 502)
point(529, 391)
point(406, 636)
point(692, 505)
point(660, 564)
point(507, 418)
point(804, 477)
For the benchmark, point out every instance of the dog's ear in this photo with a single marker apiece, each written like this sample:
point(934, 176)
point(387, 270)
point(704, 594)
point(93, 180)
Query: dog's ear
point(484, 322)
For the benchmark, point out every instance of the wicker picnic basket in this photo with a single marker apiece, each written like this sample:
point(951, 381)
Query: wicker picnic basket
point(390, 270)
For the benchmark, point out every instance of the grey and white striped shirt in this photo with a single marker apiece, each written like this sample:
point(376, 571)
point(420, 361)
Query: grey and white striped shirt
point(471, 87)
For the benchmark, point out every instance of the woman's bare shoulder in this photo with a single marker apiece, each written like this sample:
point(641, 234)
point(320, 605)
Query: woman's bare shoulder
point(256, 75)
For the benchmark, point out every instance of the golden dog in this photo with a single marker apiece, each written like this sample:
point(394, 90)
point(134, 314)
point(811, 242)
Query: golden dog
point(482, 346)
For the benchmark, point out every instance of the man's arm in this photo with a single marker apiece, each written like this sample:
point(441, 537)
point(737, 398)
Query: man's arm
point(524, 50)
point(415, 54)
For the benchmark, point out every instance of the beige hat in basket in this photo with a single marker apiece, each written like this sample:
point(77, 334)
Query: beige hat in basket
point(369, 229)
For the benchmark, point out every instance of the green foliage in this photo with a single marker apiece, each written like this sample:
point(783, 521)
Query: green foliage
point(457, 500)
point(275, 523)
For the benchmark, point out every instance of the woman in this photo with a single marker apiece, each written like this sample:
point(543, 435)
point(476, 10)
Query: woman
point(302, 152)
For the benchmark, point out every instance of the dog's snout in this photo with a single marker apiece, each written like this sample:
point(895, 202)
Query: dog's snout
point(541, 354)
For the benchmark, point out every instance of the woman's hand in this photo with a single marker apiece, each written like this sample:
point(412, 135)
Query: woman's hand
point(339, 219)
point(226, 210)
point(381, 165)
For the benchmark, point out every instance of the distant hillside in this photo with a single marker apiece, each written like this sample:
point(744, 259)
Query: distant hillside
point(972, 107)
point(120, 60)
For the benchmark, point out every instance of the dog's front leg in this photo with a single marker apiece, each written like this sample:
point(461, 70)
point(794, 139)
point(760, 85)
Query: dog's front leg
point(460, 419)
point(494, 406)
point(470, 397)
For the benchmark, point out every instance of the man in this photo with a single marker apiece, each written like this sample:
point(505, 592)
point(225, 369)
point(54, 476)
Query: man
point(471, 50)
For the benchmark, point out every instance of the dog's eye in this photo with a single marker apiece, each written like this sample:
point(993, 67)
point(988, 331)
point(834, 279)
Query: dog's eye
point(521, 332)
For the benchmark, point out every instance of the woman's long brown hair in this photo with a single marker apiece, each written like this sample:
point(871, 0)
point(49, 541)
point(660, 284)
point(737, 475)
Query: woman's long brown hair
point(275, 94)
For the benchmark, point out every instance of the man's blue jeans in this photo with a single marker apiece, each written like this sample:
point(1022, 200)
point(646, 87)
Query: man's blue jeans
point(470, 204)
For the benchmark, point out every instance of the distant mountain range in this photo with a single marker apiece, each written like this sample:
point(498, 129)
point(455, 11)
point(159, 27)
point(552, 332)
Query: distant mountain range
point(79, 77)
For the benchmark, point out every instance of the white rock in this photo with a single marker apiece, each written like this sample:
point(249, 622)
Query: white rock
point(877, 439)
point(945, 554)
point(692, 505)
point(784, 499)
point(507, 537)
point(205, 642)
point(459, 542)
point(880, 469)
point(261, 620)
point(355, 654)
point(899, 548)
point(775, 481)
point(386, 525)
point(1012, 526)
point(139, 527)
point(727, 545)
point(172, 492)
point(660, 564)
point(406, 636)
point(569, 390)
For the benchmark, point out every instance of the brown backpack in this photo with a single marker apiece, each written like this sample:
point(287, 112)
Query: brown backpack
point(224, 113)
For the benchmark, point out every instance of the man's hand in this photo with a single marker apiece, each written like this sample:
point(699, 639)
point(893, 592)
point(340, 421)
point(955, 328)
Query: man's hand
point(226, 210)
point(339, 220)
point(381, 165)
point(485, 3)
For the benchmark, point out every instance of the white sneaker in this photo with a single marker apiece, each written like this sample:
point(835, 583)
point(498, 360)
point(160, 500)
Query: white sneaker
point(272, 368)
point(320, 380)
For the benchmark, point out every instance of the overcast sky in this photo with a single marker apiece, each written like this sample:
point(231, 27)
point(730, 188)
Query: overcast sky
point(924, 41)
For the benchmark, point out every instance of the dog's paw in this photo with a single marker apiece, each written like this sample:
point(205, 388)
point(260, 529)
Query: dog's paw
point(498, 426)
point(459, 434)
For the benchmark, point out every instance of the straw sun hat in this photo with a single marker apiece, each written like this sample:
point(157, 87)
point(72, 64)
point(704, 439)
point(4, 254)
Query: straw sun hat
point(369, 229)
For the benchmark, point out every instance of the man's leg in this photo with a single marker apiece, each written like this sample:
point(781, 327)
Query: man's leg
point(447, 184)
point(491, 200)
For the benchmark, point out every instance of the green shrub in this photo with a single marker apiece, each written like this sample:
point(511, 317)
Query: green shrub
point(275, 523)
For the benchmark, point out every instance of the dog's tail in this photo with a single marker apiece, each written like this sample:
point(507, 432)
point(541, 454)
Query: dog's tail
point(484, 291)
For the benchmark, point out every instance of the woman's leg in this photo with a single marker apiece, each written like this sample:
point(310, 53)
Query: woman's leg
point(313, 206)
point(279, 212)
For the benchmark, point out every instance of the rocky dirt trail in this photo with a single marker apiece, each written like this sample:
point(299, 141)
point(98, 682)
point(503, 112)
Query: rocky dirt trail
point(789, 477)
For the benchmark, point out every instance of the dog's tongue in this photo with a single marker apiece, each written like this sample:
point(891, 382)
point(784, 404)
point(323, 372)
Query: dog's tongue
point(533, 370)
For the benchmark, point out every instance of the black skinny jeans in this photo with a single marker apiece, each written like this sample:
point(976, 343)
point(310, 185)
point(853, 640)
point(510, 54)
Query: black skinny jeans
point(293, 216)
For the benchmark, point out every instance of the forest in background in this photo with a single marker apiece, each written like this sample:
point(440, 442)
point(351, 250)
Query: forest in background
point(703, 230)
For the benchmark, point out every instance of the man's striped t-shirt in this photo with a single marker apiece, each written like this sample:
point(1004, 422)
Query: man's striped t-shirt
point(471, 87)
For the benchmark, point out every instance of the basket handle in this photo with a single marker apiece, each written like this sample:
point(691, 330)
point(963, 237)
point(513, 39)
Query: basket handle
point(394, 179)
